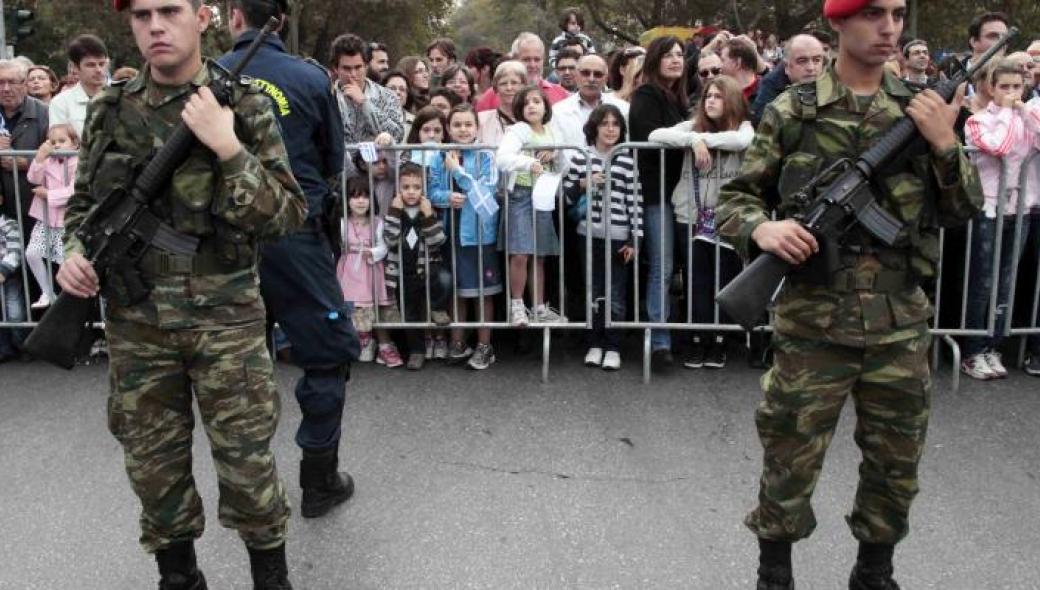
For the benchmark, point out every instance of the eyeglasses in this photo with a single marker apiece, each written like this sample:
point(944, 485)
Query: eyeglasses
point(4, 83)
point(710, 72)
point(592, 74)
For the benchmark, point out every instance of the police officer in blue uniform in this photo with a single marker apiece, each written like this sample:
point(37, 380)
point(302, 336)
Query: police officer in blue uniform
point(298, 272)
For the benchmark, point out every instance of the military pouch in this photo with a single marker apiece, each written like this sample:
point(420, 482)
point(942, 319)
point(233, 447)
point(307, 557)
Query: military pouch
point(234, 247)
point(191, 195)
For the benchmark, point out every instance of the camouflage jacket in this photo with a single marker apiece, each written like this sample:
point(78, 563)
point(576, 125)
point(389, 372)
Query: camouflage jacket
point(923, 189)
point(229, 205)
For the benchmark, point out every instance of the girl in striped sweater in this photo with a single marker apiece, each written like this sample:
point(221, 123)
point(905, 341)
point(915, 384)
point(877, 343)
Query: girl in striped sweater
point(611, 214)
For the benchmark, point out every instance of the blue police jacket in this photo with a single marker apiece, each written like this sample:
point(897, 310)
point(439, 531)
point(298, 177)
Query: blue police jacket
point(308, 114)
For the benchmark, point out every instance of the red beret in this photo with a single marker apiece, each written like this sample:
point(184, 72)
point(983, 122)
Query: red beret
point(841, 8)
point(121, 4)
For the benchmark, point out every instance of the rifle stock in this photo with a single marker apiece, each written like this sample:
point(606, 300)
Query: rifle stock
point(745, 297)
point(61, 342)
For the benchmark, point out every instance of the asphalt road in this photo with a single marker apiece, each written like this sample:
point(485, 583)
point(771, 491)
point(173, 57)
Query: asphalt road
point(494, 480)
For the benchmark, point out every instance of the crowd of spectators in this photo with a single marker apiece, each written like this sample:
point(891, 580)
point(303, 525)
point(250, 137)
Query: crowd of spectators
point(446, 248)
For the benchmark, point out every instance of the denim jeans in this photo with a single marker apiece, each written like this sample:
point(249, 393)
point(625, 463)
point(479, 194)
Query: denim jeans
point(599, 336)
point(659, 243)
point(13, 311)
point(980, 285)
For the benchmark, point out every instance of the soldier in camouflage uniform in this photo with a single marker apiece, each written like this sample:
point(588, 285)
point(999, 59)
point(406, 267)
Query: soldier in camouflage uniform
point(201, 328)
point(860, 326)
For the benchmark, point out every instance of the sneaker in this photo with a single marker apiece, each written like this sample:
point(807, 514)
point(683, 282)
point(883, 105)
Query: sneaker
point(976, 367)
point(695, 359)
point(389, 356)
point(368, 349)
point(716, 356)
point(1033, 365)
point(547, 315)
point(99, 348)
point(441, 318)
point(429, 348)
point(611, 360)
point(993, 360)
point(661, 360)
point(518, 313)
point(483, 357)
point(594, 357)
point(390, 315)
point(41, 303)
point(459, 352)
point(415, 361)
point(440, 349)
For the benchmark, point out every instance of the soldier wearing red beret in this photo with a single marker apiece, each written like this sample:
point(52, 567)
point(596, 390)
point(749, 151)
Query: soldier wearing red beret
point(858, 328)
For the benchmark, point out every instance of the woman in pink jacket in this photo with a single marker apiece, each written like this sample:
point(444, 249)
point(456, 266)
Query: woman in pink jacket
point(1004, 133)
point(54, 177)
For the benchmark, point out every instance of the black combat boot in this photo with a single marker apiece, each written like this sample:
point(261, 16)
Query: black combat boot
point(323, 487)
point(774, 565)
point(873, 569)
point(268, 568)
point(177, 567)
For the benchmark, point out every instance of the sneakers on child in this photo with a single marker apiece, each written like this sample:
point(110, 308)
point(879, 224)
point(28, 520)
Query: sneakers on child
point(976, 367)
point(611, 360)
point(716, 356)
point(415, 361)
point(440, 349)
point(518, 313)
point(389, 356)
point(594, 357)
point(440, 318)
point(995, 365)
point(459, 352)
point(547, 315)
point(483, 357)
point(1033, 365)
point(695, 358)
point(42, 302)
point(368, 348)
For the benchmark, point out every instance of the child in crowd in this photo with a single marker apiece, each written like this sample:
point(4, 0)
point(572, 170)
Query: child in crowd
point(360, 273)
point(413, 236)
point(572, 24)
point(464, 185)
point(54, 178)
point(1005, 131)
point(718, 135)
point(429, 129)
point(615, 217)
point(528, 231)
point(12, 307)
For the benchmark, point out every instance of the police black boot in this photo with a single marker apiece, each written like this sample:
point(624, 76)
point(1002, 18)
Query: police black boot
point(268, 568)
point(178, 569)
point(323, 487)
point(873, 569)
point(774, 565)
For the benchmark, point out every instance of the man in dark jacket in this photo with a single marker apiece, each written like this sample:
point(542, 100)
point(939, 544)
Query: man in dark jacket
point(804, 59)
point(24, 127)
point(297, 273)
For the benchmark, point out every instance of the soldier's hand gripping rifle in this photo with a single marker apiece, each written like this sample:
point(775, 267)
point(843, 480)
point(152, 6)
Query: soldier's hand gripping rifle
point(844, 202)
point(120, 230)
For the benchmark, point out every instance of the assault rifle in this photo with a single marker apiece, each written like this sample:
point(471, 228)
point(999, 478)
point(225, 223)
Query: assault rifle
point(121, 229)
point(845, 202)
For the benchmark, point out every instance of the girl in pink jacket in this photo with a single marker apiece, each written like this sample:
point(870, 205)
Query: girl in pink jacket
point(1004, 133)
point(54, 177)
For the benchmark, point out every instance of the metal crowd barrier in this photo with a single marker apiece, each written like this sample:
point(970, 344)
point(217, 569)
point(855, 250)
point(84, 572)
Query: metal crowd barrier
point(680, 322)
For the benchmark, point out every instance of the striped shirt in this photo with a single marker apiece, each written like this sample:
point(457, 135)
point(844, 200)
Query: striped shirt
point(409, 236)
point(10, 246)
point(625, 202)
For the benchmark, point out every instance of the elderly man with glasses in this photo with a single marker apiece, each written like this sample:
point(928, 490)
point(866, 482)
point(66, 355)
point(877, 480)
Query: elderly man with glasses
point(23, 127)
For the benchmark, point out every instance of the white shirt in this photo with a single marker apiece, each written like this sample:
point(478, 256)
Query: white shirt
point(570, 115)
point(70, 107)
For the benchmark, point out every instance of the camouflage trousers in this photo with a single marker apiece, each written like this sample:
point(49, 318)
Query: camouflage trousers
point(804, 393)
point(153, 373)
